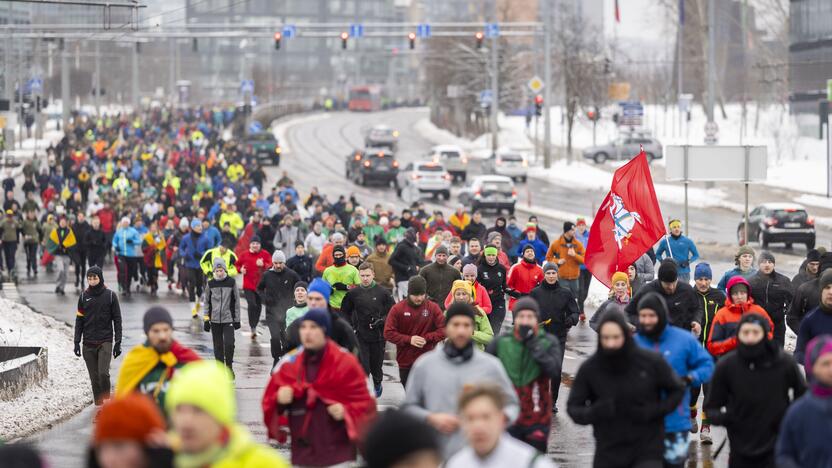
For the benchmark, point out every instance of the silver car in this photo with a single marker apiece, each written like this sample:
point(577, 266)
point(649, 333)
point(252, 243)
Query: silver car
point(489, 192)
point(508, 163)
point(453, 158)
point(382, 136)
point(424, 177)
point(626, 147)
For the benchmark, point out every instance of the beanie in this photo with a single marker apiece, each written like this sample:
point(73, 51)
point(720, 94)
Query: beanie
point(133, 417)
point(337, 237)
point(813, 256)
point(491, 236)
point(526, 303)
point(755, 318)
point(527, 247)
point(278, 256)
point(254, 238)
point(816, 348)
point(338, 248)
point(825, 279)
point(321, 287)
point(95, 270)
point(581, 221)
point(765, 255)
point(219, 263)
point(745, 249)
point(320, 317)
point(301, 284)
point(738, 281)
point(353, 251)
point(196, 223)
point(183, 223)
point(441, 249)
point(208, 386)
point(416, 286)
point(703, 270)
point(667, 271)
point(154, 315)
point(384, 445)
point(620, 276)
point(550, 266)
point(452, 261)
point(568, 226)
point(459, 308)
point(469, 269)
point(463, 285)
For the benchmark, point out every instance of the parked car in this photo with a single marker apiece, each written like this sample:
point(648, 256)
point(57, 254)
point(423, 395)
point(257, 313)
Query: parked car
point(424, 177)
point(372, 165)
point(489, 192)
point(381, 136)
point(626, 147)
point(263, 146)
point(508, 163)
point(452, 158)
point(779, 222)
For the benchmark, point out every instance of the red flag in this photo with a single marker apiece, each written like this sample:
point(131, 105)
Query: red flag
point(628, 222)
point(617, 13)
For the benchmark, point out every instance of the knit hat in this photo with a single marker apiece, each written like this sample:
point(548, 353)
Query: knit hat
point(825, 279)
point(441, 249)
point(745, 249)
point(469, 269)
point(196, 223)
point(459, 308)
point(816, 348)
point(755, 318)
point(668, 271)
point(254, 238)
point(278, 256)
point(338, 248)
point(530, 226)
point(765, 255)
point(703, 270)
point(133, 417)
point(154, 315)
point(320, 317)
point(219, 263)
point(526, 303)
point(208, 386)
point(124, 219)
point(491, 236)
point(384, 445)
point(550, 266)
point(568, 226)
point(463, 285)
point(416, 286)
point(527, 247)
point(581, 222)
point(337, 237)
point(380, 240)
point(738, 281)
point(620, 276)
point(353, 251)
point(183, 223)
point(301, 284)
point(95, 270)
point(813, 255)
point(321, 287)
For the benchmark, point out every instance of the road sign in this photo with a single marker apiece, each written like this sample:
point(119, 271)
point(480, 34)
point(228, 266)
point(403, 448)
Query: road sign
point(35, 85)
point(536, 84)
point(247, 86)
point(255, 127)
point(486, 97)
point(289, 31)
point(684, 102)
point(356, 30)
point(492, 30)
point(711, 133)
point(423, 30)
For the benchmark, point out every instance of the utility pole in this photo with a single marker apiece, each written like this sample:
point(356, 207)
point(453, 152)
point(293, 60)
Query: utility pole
point(711, 58)
point(135, 72)
point(495, 102)
point(547, 82)
point(679, 76)
point(8, 84)
point(172, 70)
point(97, 81)
point(64, 84)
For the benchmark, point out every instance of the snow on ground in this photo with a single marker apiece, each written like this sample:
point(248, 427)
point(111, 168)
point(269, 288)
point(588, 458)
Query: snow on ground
point(280, 128)
point(63, 393)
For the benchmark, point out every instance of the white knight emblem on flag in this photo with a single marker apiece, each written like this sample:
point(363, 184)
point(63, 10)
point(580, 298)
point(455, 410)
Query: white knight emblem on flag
point(623, 219)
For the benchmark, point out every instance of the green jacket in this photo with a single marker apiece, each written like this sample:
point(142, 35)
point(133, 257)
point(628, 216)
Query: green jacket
point(10, 228)
point(346, 275)
point(31, 231)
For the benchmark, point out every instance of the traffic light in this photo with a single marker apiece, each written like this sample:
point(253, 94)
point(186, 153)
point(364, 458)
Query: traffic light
point(593, 115)
point(538, 105)
point(277, 37)
point(412, 38)
point(478, 36)
point(344, 36)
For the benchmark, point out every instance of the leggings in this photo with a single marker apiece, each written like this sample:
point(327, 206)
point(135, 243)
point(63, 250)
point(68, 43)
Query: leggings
point(31, 257)
point(80, 267)
point(223, 335)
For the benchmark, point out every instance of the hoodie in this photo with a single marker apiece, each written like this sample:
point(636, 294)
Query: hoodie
point(723, 335)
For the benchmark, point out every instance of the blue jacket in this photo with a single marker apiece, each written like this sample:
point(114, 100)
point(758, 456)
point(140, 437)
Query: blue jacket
point(723, 283)
point(684, 251)
point(191, 249)
point(816, 323)
point(213, 236)
point(687, 358)
point(539, 249)
point(127, 242)
point(804, 434)
point(584, 241)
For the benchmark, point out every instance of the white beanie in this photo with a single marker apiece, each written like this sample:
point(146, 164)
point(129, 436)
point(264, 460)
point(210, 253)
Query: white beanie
point(278, 257)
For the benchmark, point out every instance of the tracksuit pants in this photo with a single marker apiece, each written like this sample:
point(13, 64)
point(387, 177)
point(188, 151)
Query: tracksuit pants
point(97, 359)
point(255, 306)
point(371, 355)
point(223, 336)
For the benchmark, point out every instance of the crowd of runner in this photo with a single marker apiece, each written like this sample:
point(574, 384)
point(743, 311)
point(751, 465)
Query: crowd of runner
point(178, 208)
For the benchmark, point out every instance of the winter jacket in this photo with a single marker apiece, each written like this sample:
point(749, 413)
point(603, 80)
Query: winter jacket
point(81, 230)
point(483, 333)
point(253, 273)
point(277, 289)
point(285, 237)
point(96, 241)
point(755, 397)
point(10, 228)
point(817, 322)
point(473, 231)
point(723, 335)
point(802, 277)
point(341, 278)
point(31, 231)
point(509, 452)
point(708, 305)
point(235, 222)
point(207, 261)
point(405, 321)
point(98, 317)
point(521, 279)
point(383, 270)
point(243, 452)
point(584, 239)
point(341, 333)
point(806, 298)
point(540, 249)
point(440, 279)
point(493, 279)
point(295, 312)
point(302, 265)
point(774, 294)
point(558, 308)
point(460, 222)
point(405, 260)
point(127, 242)
point(723, 283)
point(684, 252)
point(681, 304)
point(367, 308)
point(645, 270)
point(559, 249)
point(314, 243)
point(222, 301)
point(481, 298)
point(803, 440)
point(211, 237)
point(191, 249)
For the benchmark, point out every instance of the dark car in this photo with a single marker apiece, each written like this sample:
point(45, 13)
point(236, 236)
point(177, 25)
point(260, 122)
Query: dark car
point(779, 222)
point(264, 146)
point(372, 165)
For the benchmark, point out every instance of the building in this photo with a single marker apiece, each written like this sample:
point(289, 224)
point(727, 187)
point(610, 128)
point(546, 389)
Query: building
point(810, 53)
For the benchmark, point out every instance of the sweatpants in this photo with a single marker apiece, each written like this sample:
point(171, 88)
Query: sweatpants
point(585, 279)
point(556, 379)
point(371, 355)
point(496, 318)
point(80, 268)
point(31, 257)
point(9, 251)
point(255, 306)
point(97, 359)
point(276, 321)
point(126, 271)
point(62, 265)
point(195, 283)
point(223, 335)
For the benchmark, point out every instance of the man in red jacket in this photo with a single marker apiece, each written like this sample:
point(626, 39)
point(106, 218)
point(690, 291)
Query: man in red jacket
point(523, 276)
point(415, 325)
point(252, 263)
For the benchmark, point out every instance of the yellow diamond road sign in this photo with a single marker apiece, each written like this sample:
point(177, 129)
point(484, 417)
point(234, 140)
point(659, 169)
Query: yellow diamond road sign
point(536, 84)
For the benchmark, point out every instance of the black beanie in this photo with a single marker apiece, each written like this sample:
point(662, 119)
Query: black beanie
point(526, 303)
point(416, 286)
point(339, 248)
point(825, 262)
point(156, 315)
point(95, 270)
point(460, 308)
point(667, 271)
point(385, 446)
point(825, 279)
point(813, 256)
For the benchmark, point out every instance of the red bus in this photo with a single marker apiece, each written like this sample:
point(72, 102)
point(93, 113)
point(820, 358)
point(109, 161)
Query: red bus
point(365, 98)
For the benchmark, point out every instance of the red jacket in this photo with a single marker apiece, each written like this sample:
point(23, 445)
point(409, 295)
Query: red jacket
point(481, 298)
point(106, 215)
point(253, 272)
point(723, 335)
point(523, 277)
point(405, 320)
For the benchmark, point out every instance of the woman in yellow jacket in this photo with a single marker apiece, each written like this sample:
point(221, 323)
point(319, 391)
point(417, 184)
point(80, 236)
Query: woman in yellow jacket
point(463, 291)
point(153, 248)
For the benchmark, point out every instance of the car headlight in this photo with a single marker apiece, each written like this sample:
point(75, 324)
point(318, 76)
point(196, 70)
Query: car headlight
point(277, 150)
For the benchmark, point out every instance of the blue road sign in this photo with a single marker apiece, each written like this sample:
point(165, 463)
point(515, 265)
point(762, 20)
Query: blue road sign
point(289, 31)
point(423, 30)
point(492, 30)
point(356, 30)
point(255, 127)
point(35, 85)
point(631, 108)
point(247, 86)
point(486, 97)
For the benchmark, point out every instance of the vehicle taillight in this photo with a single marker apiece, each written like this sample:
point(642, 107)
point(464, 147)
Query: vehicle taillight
point(478, 193)
point(525, 163)
point(366, 163)
point(357, 157)
point(770, 222)
point(446, 176)
point(514, 193)
point(395, 164)
point(810, 221)
point(415, 176)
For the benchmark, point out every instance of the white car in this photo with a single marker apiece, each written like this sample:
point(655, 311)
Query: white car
point(510, 164)
point(453, 158)
point(424, 177)
point(490, 191)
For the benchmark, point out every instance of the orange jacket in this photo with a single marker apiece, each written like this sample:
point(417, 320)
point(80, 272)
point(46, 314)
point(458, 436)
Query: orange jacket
point(723, 335)
point(559, 249)
point(325, 259)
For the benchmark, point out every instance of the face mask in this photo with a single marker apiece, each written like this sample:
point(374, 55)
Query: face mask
point(752, 352)
point(524, 332)
point(340, 261)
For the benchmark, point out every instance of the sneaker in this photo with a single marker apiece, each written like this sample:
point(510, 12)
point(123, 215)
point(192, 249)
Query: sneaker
point(705, 435)
point(379, 389)
point(694, 425)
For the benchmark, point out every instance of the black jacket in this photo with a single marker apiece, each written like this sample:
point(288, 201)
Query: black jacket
point(81, 230)
point(277, 289)
point(806, 298)
point(367, 310)
point(708, 304)
point(802, 276)
point(96, 241)
point(98, 317)
point(493, 279)
point(405, 260)
point(773, 293)
point(755, 397)
point(302, 265)
point(557, 307)
point(681, 304)
point(473, 230)
point(341, 333)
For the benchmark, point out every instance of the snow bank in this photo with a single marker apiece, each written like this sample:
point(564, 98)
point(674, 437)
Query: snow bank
point(66, 390)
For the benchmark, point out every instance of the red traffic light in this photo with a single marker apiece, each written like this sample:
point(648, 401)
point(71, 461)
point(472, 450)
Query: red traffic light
point(590, 115)
point(277, 37)
point(412, 37)
point(344, 36)
point(538, 99)
point(478, 36)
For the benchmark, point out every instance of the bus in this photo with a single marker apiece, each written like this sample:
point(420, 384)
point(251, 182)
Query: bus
point(365, 98)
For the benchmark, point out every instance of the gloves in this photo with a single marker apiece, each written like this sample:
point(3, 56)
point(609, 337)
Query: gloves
point(116, 349)
point(206, 326)
point(237, 325)
point(77, 349)
point(339, 286)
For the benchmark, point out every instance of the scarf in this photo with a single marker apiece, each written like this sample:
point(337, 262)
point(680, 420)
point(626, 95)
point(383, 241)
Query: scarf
point(459, 356)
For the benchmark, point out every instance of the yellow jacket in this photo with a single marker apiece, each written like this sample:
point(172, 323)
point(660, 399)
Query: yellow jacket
point(233, 219)
point(235, 172)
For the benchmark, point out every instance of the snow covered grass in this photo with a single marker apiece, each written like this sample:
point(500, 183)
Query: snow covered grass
point(66, 389)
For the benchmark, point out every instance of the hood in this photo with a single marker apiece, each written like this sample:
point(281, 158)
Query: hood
point(616, 359)
point(656, 302)
point(735, 281)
